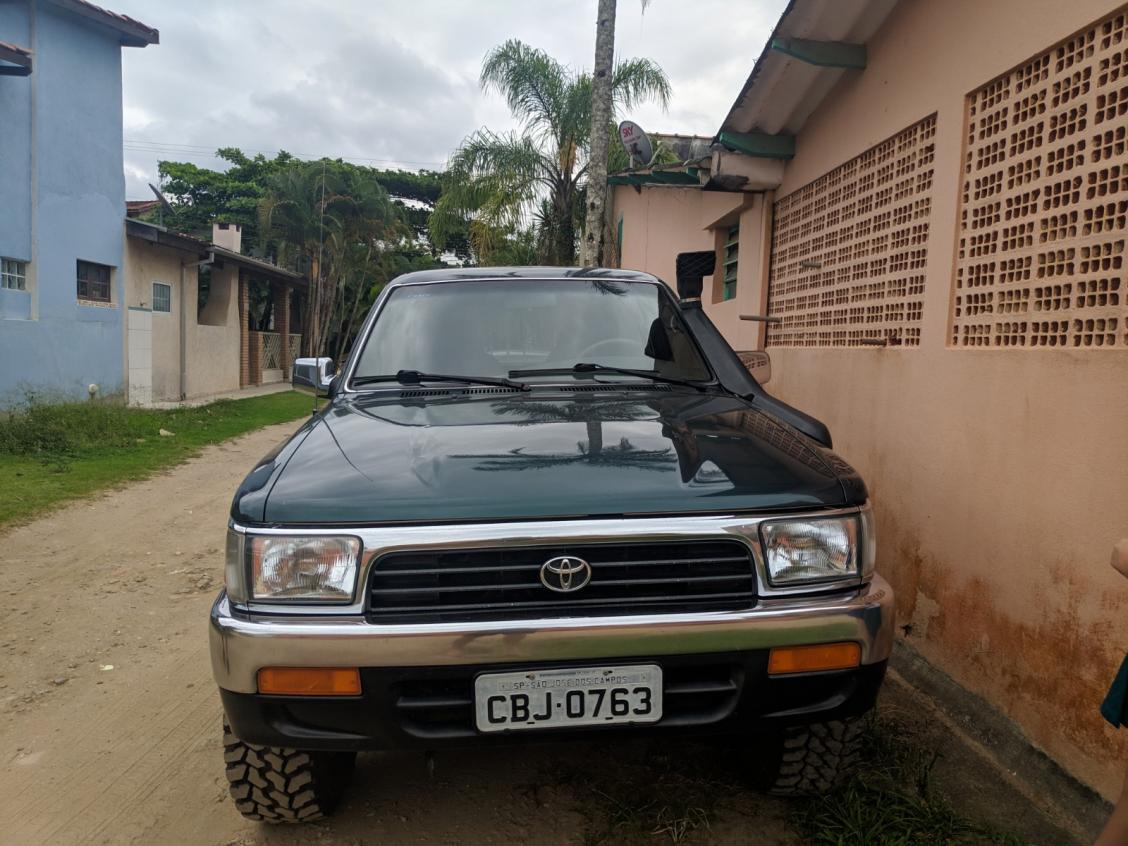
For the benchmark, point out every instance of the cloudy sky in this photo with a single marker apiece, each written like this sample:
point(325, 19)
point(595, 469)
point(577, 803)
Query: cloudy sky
point(395, 83)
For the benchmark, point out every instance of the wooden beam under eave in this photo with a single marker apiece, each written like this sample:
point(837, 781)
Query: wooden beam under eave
point(824, 54)
point(759, 144)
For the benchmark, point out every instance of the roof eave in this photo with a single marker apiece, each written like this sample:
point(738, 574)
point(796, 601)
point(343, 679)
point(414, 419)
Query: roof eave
point(131, 33)
point(14, 60)
point(677, 176)
point(160, 235)
point(264, 268)
point(813, 44)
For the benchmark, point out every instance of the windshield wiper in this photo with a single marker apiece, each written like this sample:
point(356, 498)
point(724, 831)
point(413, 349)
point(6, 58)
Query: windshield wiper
point(414, 377)
point(583, 367)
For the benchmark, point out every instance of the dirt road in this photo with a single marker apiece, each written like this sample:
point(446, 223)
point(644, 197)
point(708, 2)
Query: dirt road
point(110, 723)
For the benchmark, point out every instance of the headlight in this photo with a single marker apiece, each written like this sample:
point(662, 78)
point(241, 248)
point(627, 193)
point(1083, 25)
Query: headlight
point(823, 549)
point(322, 569)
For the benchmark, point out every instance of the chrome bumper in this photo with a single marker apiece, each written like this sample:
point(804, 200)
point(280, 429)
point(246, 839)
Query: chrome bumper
point(240, 646)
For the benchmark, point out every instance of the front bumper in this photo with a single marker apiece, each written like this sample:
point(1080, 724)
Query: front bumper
point(241, 644)
point(432, 707)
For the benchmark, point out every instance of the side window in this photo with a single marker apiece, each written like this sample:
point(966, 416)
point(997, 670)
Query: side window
point(93, 282)
point(162, 297)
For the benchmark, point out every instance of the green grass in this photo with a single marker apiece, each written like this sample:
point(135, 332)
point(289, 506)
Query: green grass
point(54, 452)
point(677, 792)
point(890, 801)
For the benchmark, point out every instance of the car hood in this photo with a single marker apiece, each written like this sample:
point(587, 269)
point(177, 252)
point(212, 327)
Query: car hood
point(548, 454)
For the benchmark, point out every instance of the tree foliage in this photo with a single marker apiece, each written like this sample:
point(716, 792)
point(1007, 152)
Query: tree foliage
point(336, 223)
point(200, 196)
point(349, 228)
point(500, 184)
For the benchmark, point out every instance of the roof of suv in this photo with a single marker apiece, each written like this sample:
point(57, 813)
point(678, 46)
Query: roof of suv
point(457, 274)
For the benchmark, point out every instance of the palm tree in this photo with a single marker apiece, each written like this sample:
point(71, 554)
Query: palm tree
point(335, 222)
point(503, 182)
point(591, 255)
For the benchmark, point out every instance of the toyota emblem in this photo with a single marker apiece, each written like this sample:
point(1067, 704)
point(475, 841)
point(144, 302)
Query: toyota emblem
point(565, 573)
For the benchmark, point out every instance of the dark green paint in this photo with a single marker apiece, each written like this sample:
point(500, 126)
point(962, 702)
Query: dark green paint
point(378, 458)
point(824, 54)
point(660, 177)
point(759, 144)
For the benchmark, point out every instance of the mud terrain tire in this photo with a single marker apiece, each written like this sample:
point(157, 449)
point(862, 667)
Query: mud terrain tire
point(815, 759)
point(278, 785)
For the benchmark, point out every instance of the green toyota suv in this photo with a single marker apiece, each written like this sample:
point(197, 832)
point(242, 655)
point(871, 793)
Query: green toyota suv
point(543, 502)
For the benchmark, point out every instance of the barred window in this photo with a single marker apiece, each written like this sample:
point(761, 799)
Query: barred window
point(731, 260)
point(162, 297)
point(13, 274)
point(93, 281)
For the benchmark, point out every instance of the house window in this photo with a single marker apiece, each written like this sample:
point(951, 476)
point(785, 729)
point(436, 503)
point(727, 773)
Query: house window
point(162, 297)
point(732, 249)
point(13, 274)
point(93, 282)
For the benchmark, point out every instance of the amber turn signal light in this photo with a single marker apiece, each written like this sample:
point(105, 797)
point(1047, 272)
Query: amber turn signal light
point(811, 659)
point(310, 681)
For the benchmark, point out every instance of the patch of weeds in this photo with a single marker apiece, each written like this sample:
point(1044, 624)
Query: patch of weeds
point(51, 451)
point(650, 796)
point(890, 800)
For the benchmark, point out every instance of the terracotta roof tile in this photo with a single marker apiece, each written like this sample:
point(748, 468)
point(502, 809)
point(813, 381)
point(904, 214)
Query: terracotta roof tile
point(140, 206)
point(122, 23)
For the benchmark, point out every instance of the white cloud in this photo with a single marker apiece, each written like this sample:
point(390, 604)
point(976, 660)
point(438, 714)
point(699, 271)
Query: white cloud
point(395, 82)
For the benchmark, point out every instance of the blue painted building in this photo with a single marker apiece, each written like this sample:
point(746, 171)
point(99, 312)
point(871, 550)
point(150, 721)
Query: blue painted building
point(62, 194)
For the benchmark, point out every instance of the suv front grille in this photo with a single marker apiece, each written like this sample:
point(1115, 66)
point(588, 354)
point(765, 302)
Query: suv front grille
point(444, 586)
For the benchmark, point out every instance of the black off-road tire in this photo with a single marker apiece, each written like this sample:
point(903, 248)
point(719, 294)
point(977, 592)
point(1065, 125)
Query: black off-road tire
point(815, 759)
point(275, 784)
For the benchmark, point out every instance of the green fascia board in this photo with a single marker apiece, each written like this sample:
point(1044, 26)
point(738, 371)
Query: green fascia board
point(825, 54)
point(659, 177)
point(759, 144)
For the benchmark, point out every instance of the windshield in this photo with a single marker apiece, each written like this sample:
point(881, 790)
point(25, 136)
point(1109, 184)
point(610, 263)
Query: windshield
point(488, 328)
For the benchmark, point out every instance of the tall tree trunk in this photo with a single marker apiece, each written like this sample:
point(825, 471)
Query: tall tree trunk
point(590, 254)
point(564, 233)
point(313, 327)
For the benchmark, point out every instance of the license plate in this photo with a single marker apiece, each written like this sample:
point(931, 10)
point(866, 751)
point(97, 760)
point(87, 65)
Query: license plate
point(589, 696)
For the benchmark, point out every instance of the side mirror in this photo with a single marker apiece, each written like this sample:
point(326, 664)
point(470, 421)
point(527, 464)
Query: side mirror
point(313, 374)
point(759, 364)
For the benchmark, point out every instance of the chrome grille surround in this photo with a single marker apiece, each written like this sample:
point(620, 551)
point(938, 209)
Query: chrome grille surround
point(378, 541)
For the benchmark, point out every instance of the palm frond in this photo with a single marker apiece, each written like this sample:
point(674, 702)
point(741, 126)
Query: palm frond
point(532, 82)
point(637, 80)
point(491, 181)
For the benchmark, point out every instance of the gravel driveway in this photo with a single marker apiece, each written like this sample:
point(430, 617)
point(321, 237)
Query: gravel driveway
point(110, 723)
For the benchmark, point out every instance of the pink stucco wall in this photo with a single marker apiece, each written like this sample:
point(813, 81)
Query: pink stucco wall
point(998, 475)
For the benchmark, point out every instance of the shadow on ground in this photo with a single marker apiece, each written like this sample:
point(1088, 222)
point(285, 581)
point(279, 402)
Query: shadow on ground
point(919, 784)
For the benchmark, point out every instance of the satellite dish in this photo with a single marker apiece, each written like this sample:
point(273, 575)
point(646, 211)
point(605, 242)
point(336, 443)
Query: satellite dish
point(636, 143)
point(165, 204)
